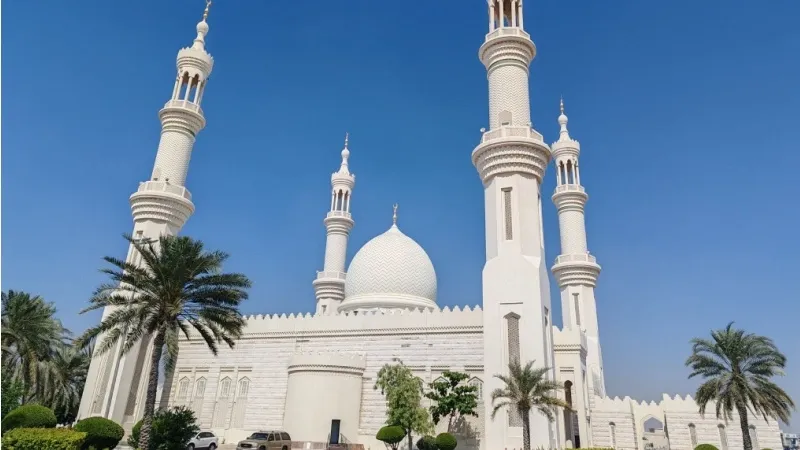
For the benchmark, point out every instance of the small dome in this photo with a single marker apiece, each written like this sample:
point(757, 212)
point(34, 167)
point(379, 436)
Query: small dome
point(391, 271)
point(202, 27)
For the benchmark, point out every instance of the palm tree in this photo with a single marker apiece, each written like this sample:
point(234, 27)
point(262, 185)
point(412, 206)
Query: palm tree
point(737, 367)
point(178, 287)
point(527, 388)
point(30, 336)
point(63, 379)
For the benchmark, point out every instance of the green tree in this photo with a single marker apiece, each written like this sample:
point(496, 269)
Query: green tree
point(403, 393)
point(30, 336)
point(737, 368)
point(172, 428)
point(12, 393)
point(527, 388)
point(64, 376)
point(452, 398)
point(176, 288)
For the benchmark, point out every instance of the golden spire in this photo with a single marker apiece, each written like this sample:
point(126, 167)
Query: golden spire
point(346, 138)
point(562, 104)
point(205, 13)
point(394, 214)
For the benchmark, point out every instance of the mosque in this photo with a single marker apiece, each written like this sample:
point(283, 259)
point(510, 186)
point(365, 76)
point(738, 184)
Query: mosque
point(313, 375)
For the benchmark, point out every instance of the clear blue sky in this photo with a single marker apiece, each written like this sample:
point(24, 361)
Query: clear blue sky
point(687, 113)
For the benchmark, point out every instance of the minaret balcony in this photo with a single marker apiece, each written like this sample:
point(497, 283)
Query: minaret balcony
point(576, 269)
point(570, 197)
point(338, 222)
point(510, 132)
point(511, 149)
point(584, 257)
point(507, 31)
point(162, 186)
point(344, 214)
point(569, 188)
point(184, 104)
point(331, 275)
point(161, 201)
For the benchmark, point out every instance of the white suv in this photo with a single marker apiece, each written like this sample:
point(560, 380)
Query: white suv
point(204, 439)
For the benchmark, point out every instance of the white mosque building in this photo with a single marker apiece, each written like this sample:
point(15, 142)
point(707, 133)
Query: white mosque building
point(313, 375)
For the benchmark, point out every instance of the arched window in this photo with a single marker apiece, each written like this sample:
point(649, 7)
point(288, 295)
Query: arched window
point(478, 385)
point(612, 428)
point(221, 412)
point(723, 437)
point(244, 387)
point(225, 388)
point(200, 387)
point(240, 408)
point(754, 437)
point(693, 435)
point(568, 392)
point(183, 390)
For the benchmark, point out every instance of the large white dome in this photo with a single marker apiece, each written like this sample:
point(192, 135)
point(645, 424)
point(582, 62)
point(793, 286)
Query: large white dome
point(390, 271)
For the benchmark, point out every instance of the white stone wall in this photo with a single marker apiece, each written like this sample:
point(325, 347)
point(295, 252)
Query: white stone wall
point(428, 342)
point(677, 414)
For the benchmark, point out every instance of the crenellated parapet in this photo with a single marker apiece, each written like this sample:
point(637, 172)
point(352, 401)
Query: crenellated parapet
point(444, 320)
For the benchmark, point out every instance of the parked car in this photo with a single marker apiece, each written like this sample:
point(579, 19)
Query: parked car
point(266, 440)
point(204, 439)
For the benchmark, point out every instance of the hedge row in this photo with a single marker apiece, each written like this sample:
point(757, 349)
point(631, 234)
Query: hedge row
point(43, 439)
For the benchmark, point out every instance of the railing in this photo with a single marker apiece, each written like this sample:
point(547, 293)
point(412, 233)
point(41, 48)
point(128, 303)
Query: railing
point(184, 104)
point(338, 214)
point(331, 274)
point(511, 131)
point(570, 188)
point(507, 31)
point(576, 258)
point(161, 186)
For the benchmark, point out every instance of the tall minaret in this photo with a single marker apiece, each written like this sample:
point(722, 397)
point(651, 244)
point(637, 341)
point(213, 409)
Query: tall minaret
point(160, 206)
point(329, 284)
point(511, 160)
point(576, 270)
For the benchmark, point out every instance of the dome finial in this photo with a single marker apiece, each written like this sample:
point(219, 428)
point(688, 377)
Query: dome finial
point(562, 120)
point(345, 154)
point(202, 30)
point(205, 13)
point(394, 214)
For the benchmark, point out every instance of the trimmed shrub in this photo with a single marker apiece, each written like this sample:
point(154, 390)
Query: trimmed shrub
point(133, 438)
point(706, 447)
point(29, 416)
point(446, 441)
point(391, 435)
point(101, 433)
point(427, 443)
point(171, 429)
point(43, 439)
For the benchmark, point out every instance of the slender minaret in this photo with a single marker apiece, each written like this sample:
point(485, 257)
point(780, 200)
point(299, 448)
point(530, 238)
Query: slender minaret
point(511, 160)
point(329, 284)
point(161, 206)
point(575, 270)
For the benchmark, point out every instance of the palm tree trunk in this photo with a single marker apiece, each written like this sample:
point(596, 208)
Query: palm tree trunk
point(526, 429)
point(410, 441)
point(748, 443)
point(152, 387)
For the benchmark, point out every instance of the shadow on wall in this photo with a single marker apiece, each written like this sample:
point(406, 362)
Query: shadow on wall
point(466, 433)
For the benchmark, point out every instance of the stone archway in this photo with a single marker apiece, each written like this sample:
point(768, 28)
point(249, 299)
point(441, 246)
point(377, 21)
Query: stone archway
point(654, 434)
